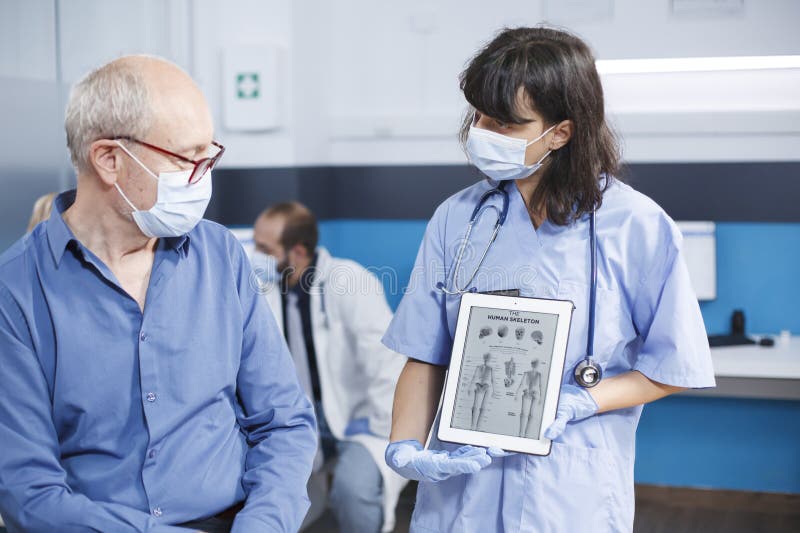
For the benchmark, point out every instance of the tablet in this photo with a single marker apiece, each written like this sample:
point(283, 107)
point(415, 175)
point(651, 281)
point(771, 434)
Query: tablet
point(505, 372)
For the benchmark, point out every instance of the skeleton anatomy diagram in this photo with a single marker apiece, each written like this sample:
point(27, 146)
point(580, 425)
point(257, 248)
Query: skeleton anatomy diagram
point(504, 372)
point(532, 393)
point(483, 381)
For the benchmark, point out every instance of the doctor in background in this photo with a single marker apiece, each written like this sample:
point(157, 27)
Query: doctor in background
point(334, 314)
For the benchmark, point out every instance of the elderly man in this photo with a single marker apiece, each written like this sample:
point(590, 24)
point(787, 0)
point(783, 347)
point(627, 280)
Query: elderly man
point(144, 383)
point(334, 313)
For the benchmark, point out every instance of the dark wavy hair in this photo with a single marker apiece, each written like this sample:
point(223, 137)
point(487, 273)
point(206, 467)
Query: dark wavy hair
point(557, 75)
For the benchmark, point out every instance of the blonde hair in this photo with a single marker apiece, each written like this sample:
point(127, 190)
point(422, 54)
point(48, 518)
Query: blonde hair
point(41, 209)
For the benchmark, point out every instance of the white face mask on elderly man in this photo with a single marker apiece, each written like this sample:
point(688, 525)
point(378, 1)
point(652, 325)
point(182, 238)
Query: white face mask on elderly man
point(179, 205)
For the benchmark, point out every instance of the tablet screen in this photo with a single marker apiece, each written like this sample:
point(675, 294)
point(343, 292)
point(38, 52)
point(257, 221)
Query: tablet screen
point(504, 372)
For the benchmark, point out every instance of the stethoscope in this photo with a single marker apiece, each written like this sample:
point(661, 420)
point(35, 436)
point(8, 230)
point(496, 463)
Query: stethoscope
point(587, 373)
point(476, 215)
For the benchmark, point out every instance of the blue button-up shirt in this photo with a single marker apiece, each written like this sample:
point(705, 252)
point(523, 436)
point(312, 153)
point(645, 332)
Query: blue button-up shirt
point(114, 419)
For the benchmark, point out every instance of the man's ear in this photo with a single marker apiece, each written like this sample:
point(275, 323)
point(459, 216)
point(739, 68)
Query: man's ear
point(105, 158)
point(562, 133)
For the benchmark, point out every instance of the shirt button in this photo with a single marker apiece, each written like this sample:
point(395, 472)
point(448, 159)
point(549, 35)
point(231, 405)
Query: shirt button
point(151, 396)
point(143, 336)
point(152, 454)
point(157, 512)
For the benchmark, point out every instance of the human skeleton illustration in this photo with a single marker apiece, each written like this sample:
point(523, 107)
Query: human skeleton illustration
point(511, 369)
point(482, 381)
point(531, 385)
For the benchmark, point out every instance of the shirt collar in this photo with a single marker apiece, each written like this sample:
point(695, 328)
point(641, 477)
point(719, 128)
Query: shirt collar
point(180, 244)
point(60, 236)
point(58, 233)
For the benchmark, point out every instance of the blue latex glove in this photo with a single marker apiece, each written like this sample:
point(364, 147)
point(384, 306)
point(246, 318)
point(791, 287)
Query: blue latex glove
point(407, 458)
point(358, 426)
point(495, 452)
point(574, 403)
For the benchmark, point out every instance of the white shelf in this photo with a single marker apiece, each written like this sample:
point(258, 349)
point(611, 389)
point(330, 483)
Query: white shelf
point(762, 362)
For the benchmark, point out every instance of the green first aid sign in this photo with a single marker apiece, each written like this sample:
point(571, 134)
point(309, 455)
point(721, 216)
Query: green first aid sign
point(248, 85)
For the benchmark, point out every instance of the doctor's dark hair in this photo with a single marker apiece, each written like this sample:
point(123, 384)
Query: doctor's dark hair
point(556, 74)
point(300, 225)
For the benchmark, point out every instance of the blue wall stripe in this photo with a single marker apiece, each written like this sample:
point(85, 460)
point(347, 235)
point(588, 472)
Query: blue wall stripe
point(758, 266)
point(758, 270)
point(723, 443)
point(389, 245)
point(682, 441)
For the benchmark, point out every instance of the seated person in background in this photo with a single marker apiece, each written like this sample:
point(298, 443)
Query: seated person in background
point(41, 210)
point(334, 313)
point(144, 383)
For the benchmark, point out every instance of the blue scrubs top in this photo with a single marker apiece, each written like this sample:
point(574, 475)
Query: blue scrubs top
point(648, 319)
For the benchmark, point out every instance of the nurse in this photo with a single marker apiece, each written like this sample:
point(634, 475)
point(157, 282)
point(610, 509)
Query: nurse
point(538, 129)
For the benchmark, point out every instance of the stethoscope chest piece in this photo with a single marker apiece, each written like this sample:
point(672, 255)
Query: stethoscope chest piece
point(588, 373)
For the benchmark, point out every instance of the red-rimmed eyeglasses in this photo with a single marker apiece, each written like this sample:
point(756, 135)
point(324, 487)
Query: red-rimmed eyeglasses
point(201, 166)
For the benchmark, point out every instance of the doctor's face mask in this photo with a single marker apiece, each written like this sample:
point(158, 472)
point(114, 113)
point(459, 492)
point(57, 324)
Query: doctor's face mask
point(265, 267)
point(499, 156)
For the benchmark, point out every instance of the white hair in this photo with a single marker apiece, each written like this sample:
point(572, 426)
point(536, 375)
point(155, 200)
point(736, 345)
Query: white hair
point(111, 101)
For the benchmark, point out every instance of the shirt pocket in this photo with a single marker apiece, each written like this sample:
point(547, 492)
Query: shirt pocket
point(572, 483)
point(613, 330)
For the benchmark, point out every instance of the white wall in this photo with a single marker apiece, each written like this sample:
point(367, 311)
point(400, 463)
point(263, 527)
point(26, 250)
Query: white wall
point(46, 45)
point(392, 76)
point(376, 82)
point(27, 40)
point(93, 32)
point(368, 82)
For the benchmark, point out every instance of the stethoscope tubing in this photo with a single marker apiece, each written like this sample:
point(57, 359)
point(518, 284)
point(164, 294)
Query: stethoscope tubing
point(502, 213)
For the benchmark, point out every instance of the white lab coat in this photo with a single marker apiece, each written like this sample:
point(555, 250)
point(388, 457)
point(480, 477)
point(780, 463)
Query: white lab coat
point(357, 373)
